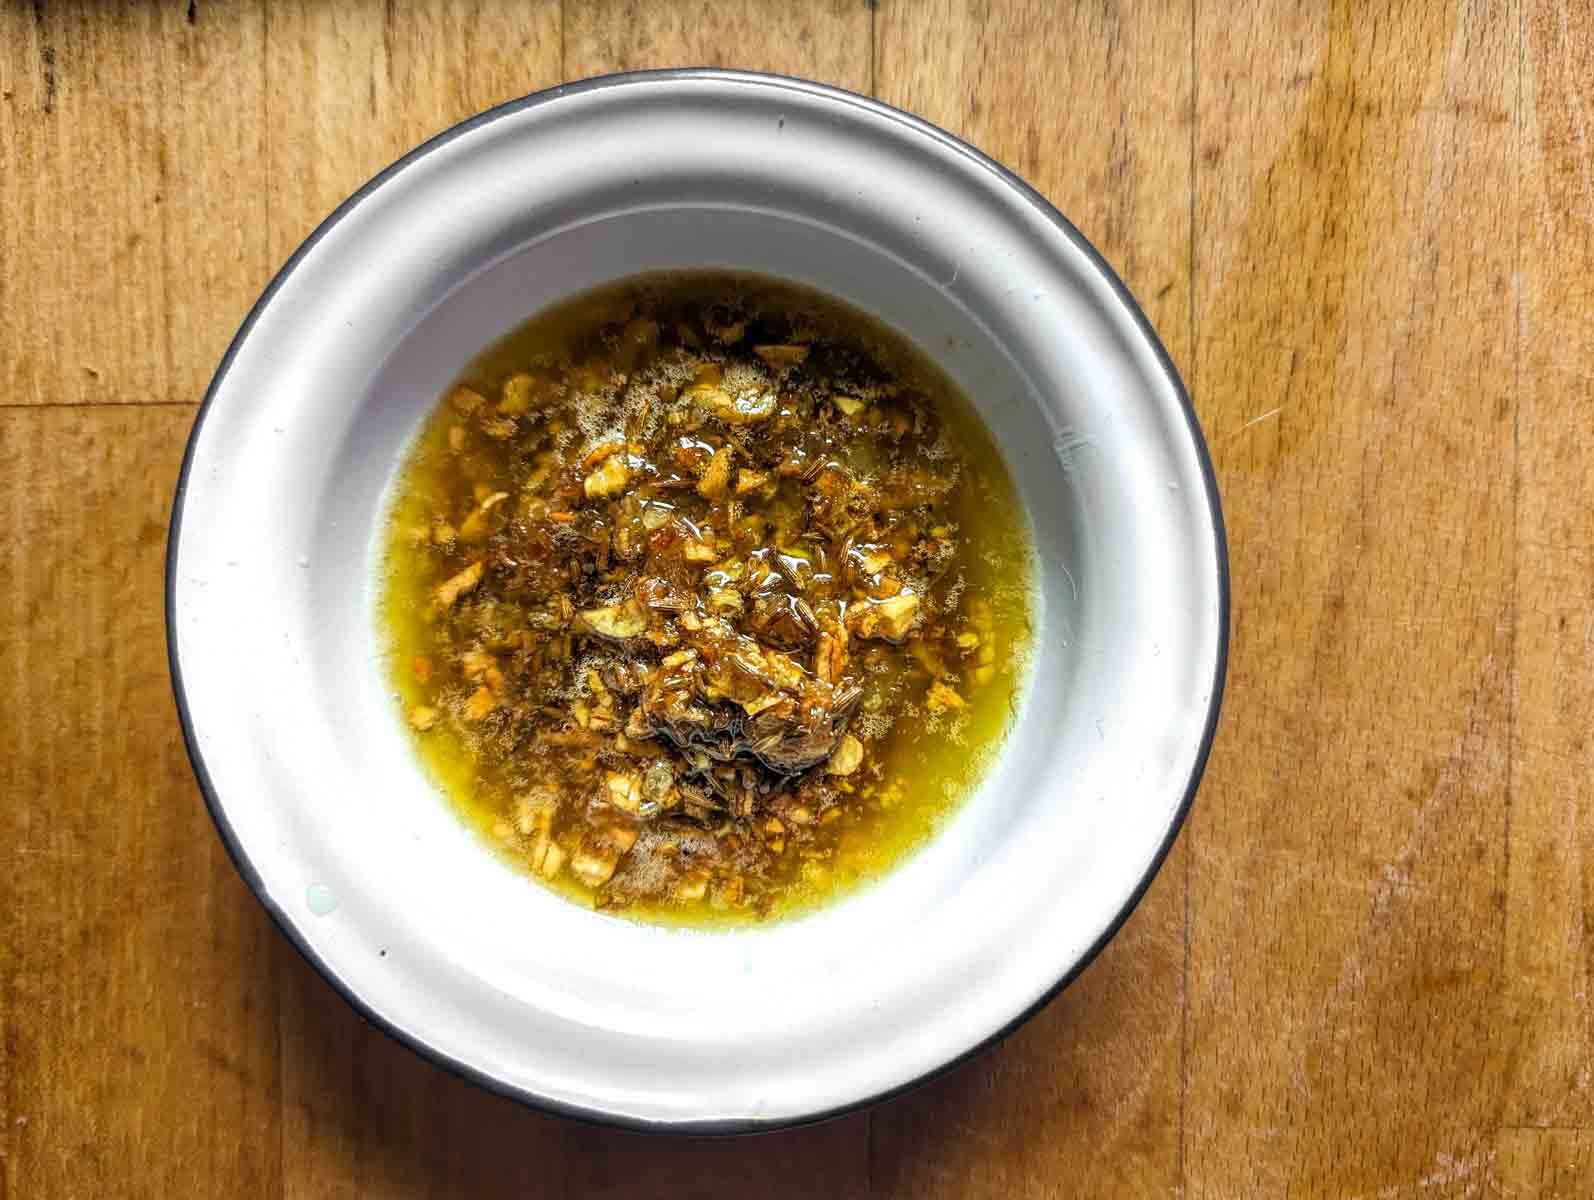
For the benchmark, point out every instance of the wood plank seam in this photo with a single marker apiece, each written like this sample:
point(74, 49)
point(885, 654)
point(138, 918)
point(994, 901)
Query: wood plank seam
point(1519, 124)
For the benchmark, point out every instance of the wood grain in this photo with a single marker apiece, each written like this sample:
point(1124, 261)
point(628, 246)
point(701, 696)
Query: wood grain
point(1366, 235)
point(1090, 1089)
point(353, 86)
point(827, 40)
point(1545, 1164)
point(141, 1033)
point(132, 237)
point(1355, 318)
point(1551, 886)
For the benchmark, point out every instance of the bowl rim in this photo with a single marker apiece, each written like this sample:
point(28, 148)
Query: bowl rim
point(870, 107)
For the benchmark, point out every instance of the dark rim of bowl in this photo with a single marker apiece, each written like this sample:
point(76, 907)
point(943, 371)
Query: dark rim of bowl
point(873, 108)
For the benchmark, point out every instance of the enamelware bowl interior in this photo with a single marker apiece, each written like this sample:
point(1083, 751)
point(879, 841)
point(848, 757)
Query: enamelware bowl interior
point(297, 740)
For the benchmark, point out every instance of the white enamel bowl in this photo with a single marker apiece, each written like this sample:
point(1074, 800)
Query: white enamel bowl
point(296, 739)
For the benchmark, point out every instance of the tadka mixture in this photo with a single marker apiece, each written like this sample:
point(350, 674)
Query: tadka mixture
point(706, 597)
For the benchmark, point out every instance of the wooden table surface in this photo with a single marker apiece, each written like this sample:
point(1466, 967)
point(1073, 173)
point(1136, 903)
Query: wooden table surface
point(1366, 234)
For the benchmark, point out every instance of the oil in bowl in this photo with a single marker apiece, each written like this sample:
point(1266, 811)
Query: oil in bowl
point(705, 598)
